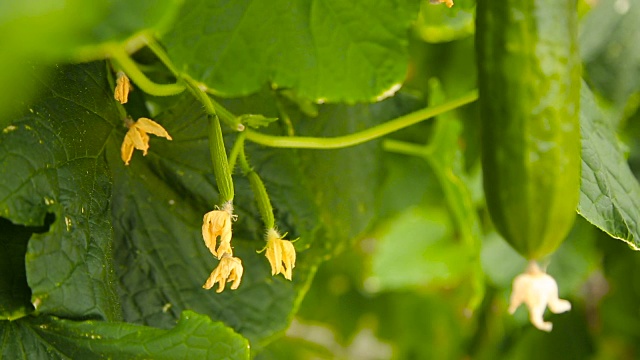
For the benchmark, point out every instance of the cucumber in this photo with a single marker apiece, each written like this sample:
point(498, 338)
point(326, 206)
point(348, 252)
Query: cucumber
point(529, 86)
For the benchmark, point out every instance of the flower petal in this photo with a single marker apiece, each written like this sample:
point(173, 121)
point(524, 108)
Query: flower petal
point(152, 127)
point(126, 150)
point(123, 86)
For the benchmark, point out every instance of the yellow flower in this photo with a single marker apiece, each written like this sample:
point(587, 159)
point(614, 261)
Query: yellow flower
point(281, 254)
point(137, 137)
point(537, 290)
point(229, 269)
point(123, 86)
point(448, 2)
point(218, 223)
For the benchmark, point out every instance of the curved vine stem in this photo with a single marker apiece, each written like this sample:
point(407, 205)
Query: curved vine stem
point(122, 59)
point(338, 142)
point(303, 142)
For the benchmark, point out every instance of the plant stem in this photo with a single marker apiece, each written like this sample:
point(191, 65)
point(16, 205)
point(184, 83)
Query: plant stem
point(210, 106)
point(225, 115)
point(303, 142)
point(122, 59)
point(405, 148)
point(262, 198)
point(159, 52)
point(259, 191)
point(238, 146)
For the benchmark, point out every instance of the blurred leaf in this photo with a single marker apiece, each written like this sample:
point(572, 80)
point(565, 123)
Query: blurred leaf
point(327, 50)
point(618, 320)
point(339, 298)
point(500, 262)
point(55, 29)
point(438, 23)
point(576, 260)
point(38, 32)
point(426, 327)
point(569, 338)
point(416, 250)
point(295, 348)
point(610, 50)
point(51, 160)
point(609, 194)
point(195, 336)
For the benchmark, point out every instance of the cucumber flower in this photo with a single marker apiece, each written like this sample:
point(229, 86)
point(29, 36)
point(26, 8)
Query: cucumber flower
point(281, 254)
point(537, 290)
point(123, 86)
point(228, 270)
point(217, 223)
point(137, 137)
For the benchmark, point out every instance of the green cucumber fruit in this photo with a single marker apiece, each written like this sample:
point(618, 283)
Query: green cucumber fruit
point(529, 85)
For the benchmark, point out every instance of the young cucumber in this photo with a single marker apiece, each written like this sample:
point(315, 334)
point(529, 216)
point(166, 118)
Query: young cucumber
point(529, 84)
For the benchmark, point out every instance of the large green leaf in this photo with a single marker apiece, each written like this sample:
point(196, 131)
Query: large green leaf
point(158, 205)
point(51, 161)
point(609, 194)
point(327, 50)
point(195, 336)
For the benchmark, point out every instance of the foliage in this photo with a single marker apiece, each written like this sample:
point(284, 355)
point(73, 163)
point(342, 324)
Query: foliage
point(397, 256)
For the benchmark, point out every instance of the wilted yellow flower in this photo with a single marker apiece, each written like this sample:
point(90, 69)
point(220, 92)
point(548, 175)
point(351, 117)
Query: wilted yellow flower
point(218, 223)
point(229, 269)
point(448, 2)
point(537, 290)
point(123, 86)
point(137, 137)
point(281, 254)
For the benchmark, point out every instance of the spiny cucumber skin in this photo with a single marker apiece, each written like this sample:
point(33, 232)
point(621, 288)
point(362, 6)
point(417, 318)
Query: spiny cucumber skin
point(529, 86)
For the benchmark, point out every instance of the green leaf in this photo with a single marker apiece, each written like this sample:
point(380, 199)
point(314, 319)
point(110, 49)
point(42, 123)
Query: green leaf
point(51, 160)
point(328, 50)
point(195, 336)
point(157, 210)
point(569, 338)
point(609, 194)
point(429, 325)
